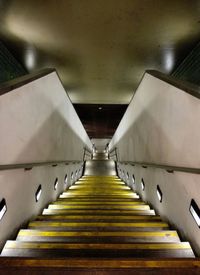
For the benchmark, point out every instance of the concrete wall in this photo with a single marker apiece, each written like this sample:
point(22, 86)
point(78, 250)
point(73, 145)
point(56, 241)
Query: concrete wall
point(162, 126)
point(38, 124)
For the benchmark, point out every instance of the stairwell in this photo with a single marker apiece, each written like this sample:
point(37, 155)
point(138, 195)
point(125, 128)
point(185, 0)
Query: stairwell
point(99, 225)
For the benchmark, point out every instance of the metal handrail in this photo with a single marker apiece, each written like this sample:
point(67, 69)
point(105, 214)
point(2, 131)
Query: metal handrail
point(86, 150)
point(168, 168)
point(115, 153)
point(29, 166)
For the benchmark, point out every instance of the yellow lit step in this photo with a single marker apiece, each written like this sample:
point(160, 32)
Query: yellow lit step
point(106, 217)
point(97, 224)
point(66, 202)
point(28, 232)
point(32, 245)
point(106, 211)
point(93, 196)
point(120, 207)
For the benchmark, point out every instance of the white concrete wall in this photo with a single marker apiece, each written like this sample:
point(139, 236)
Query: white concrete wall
point(18, 187)
point(37, 124)
point(162, 125)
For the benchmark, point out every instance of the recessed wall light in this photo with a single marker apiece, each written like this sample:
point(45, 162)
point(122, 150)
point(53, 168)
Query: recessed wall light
point(56, 184)
point(133, 179)
point(195, 212)
point(38, 193)
point(65, 180)
point(3, 208)
point(159, 193)
point(142, 184)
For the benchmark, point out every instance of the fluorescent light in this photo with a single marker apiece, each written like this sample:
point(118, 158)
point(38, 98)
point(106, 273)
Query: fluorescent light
point(195, 211)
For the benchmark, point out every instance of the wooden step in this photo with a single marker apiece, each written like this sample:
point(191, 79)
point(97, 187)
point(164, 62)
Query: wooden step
point(42, 249)
point(127, 218)
point(100, 196)
point(89, 266)
point(99, 212)
point(96, 199)
point(99, 226)
point(100, 207)
point(97, 237)
point(119, 203)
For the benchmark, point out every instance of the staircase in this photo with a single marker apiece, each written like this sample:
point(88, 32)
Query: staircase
point(99, 224)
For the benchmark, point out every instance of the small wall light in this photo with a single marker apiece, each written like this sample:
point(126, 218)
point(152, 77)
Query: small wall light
point(3, 208)
point(38, 193)
point(195, 212)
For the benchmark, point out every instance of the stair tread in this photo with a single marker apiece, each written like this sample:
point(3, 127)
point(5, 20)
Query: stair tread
point(129, 263)
point(17, 244)
point(104, 212)
point(97, 250)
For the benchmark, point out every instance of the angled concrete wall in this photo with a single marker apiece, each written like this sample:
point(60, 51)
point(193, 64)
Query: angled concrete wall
point(37, 124)
point(162, 126)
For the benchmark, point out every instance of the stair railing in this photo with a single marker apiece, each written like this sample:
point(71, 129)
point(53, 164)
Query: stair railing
point(113, 153)
point(168, 168)
point(87, 153)
point(29, 166)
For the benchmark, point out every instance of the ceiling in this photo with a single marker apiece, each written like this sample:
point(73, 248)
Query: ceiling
point(100, 48)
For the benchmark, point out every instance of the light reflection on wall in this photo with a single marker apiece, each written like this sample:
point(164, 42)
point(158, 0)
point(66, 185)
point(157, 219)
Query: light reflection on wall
point(30, 57)
point(168, 59)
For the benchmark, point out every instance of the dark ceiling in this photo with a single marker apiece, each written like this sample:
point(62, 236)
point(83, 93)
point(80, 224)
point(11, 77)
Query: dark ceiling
point(100, 48)
point(100, 121)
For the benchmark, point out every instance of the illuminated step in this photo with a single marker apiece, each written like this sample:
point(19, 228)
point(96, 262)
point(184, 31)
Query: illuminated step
point(100, 182)
point(94, 197)
point(97, 237)
point(66, 202)
point(139, 250)
point(98, 199)
point(101, 196)
point(101, 212)
point(105, 226)
point(100, 191)
point(127, 218)
point(100, 188)
point(98, 207)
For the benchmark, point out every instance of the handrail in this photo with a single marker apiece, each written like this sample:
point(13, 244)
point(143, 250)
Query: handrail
point(185, 86)
point(10, 85)
point(86, 150)
point(29, 166)
point(115, 153)
point(168, 168)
